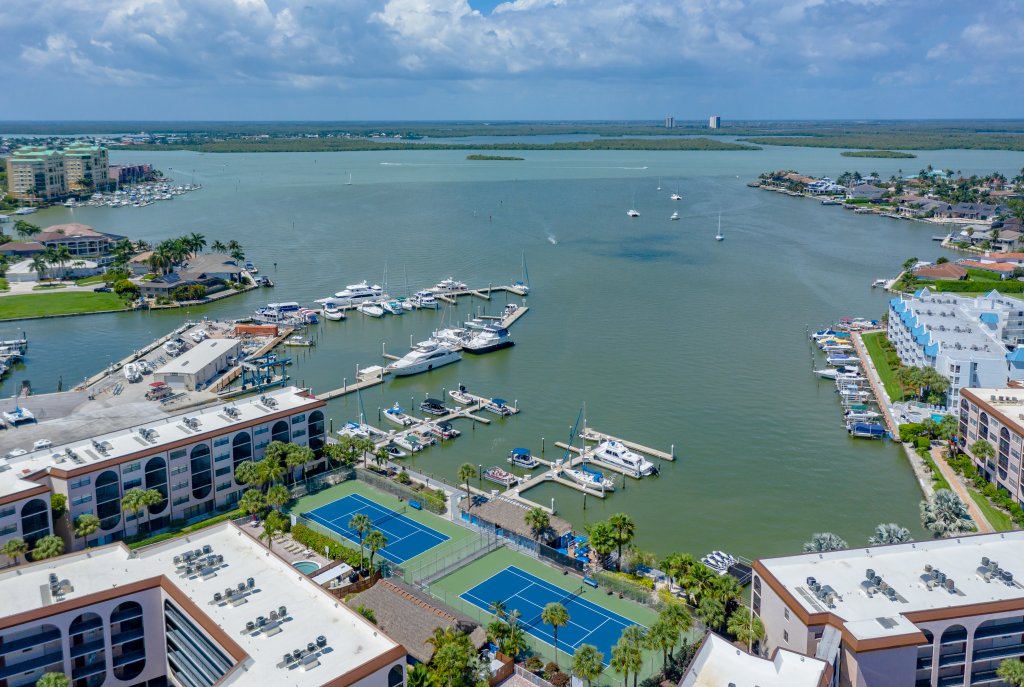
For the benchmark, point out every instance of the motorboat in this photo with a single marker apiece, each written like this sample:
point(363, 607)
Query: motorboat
point(396, 415)
point(490, 338)
point(394, 451)
point(131, 373)
point(172, 348)
point(866, 430)
point(499, 406)
point(371, 309)
point(674, 215)
point(425, 356)
point(879, 282)
point(42, 444)
point(424, 299)
point(332, 312)
point(449, 285)
point(499, 476)
point(852, 393)
point(299, 341)
point(841, 372)
point(308, 316)
point(476, 324)
point(460, 395)
point(842, 359)
point(356, 430)
point(614, 453)
point(354, 293)
point(407, 305)
point(521, 458)
point(393, 307)
point(19, 415)
point(453, 337)
point(836, 348)
point(860, 415)
point(251, 268)
point(410, 442)
point(828, 333)
point(442, 430)
point(265, 281)
point(199, 335)
point(593, 480)
point(433, 406)
point(675, 196)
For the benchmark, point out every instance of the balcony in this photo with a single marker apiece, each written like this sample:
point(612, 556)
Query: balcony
point(998, 653)
point(86, 625)
point(87, 647)
point(955, 659)
point(127, 636)
point(51, 658)
point(999, 631)
point(127, 614)
point(98, 666)
point(129, 657)
point(29, 641)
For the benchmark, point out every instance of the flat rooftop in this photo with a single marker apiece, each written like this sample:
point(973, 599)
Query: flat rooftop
point(149, 437)
point(719, 663)
point(870, 612)
point(312, 611)
point(1009, 402)
point(199, 356)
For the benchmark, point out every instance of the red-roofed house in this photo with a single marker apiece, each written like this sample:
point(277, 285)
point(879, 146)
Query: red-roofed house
point(947, 270)
point(1003, 269)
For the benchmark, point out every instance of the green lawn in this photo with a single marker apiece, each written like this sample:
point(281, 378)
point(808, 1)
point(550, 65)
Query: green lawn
point(873, 344)
point(36, 305)
point(999, 519)
point(982, 275)
point(94, 279)
point(4, 285)
point(49, 287)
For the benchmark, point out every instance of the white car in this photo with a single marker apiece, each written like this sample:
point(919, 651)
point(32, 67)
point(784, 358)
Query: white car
point(41, 444)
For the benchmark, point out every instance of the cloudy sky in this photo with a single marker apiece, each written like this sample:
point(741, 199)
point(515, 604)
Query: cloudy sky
point(522, 59)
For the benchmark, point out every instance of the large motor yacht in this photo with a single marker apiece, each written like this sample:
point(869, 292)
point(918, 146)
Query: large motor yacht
point(615, 454)
point(426, 356)
point(490, 338)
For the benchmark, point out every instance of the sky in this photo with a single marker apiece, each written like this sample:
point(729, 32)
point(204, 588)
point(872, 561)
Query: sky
point(516, 60)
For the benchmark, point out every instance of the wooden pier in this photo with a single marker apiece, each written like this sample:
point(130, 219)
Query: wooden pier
point(595, 436)
point(365, 380)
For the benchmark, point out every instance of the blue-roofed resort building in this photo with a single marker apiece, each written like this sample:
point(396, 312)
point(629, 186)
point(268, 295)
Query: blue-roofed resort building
point(971, 341)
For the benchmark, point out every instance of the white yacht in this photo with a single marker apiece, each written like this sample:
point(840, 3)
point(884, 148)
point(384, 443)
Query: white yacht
point(397, 416)
point(674, 215)
point(632, 212)
point(453, 337)
point(331, 311)
point(676, 196)
point(371, 309)
point(393, 307)
point(354, 293)
point(131, 373)
point(841, 372)
point(616, 454)
point(355, 429)
point(490, 338)
point(426, 356)
point(462, 396)
point(594, 480)
point(448, 285)
point(424, 299)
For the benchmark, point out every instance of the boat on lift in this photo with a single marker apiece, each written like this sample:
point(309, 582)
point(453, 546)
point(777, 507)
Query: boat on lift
point(522, 458)
point(593, 480)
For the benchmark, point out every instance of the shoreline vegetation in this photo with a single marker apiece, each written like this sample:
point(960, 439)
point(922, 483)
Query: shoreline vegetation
point(877, 153)
point(494, 157)
point(897, 141)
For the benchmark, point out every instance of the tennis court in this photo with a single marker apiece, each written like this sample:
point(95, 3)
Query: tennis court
point(528, 594)
point(406, 538)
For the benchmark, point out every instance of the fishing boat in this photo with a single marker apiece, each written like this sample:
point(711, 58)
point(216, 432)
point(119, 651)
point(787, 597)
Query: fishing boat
point(299, 341)
point(332, 312)
point(842, 359)
point(674, 215)
point(614, 453)
point(397, 416)
point(449, 285)
point(499, 476)
point(490, 338)
point(131, 373)
point(594, 480)
point(393, 307)
point(425, 356)
point(719, 236)
point(841, 372)
point(433, 406)
point(499, 406)
point(442, 430)
point(425, 300)
point(521, 458)
point(371, 309)
point(356, 430)
point(394, 451)
point(460, 395)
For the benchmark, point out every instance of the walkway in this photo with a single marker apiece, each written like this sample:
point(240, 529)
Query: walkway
point(957, 485)
point(884, 402)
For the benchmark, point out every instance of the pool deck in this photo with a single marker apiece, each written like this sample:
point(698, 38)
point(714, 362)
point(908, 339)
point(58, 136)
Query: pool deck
point(287, 548)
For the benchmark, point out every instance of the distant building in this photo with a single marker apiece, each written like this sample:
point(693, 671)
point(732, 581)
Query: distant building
point(714, 122)
point(35, 172)
point(129, 174)
point(85, 166)
point(209, 269)
point(670, 122)
point(946, 271)
point(995, 415)
point(865, 192)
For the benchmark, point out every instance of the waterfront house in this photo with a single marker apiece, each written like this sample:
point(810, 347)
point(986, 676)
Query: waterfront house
point(1003, 269)
point(139, 265)
point(717, 658)
point(211, 270)
point(866, 192)
point(76, 269)
point(22, 249)
point(981, 212)
point(947, 270)
point(81, 239)
point(825, 186)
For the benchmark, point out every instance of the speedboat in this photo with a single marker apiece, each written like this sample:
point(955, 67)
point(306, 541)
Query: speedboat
point(674, 215)
point(521, 458)
point(308, 316)
point(424, 299)
point(675, 196)
point(632, 212)
point(199, 335)
point(449, 285)
point(476, 323)
point(42, 444)
point(355, 429)
point(460, 395)
point(397, 416)
point(371, 309)
point(719, 561)
point(499, 406)
point(251, 268)
point(393, 307)
point(131, 373)
point(499, 476)
point(433, 406)
point(594, 480)
point(331, 311)
point(860, 415)
point(614, 453)
point(426, 356)
point(852, 393)
point(489, 339)
point(841, 372)
point(394, 451)
point(842, 359)
point(836, 348)
point(829, 333)
point(299, 341)
point(172, 347)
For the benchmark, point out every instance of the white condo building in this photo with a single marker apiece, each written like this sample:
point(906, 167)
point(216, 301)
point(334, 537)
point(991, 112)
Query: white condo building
point(969, 340)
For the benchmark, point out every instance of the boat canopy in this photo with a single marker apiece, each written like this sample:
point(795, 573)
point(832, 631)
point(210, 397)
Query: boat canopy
point(520, 451)
point(1016, 356)
point(498, 401)
point(433, 402)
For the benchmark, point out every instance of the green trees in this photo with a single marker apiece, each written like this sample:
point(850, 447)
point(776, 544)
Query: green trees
point(627, 654)
point(587, 663)
point(467, 472)
point(298, 457)
point(538, 520)
point(360, 524)
point(14, 548)
point(602, 537)
point(252, 501)
point(624, 529)
point(49, 546)
point(418, 675)
point(662, 636)
point(86, 525)
point(218, 246)
point(983, 451)
point(277, 496)
point(53, 680)
point(25, 229)
point(555, 615)
point(138, 501)
point(945, 515)
point(126, 288)
point(824, 541)
point(39, 265)
point(1012, 672)
point(375, 541)
point(452, 660)
point(247, 473)
point(890, 533)
point(274, 524)
point(745, 627)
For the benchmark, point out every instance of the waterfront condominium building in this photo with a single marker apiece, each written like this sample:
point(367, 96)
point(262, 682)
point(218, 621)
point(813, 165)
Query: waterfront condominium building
point(969, 340)
point(714, 122)
point(213, 608)
point(35, 172)
point(189, 458)
point(934, 613)
point(996, 416)
point(85, 165)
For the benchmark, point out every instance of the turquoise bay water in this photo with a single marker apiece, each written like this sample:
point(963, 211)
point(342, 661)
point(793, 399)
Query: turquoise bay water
point(668, 336)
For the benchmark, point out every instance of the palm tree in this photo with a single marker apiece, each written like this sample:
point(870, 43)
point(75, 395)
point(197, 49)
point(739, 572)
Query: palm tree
point(890, 533)
point(131, 504)
point(676, 615)
point(587, 663)
point(375, 541)
point(602, 537)
point(678, 565)
point(360, 524)
point(634, 638)
point(983, 451)
point(142, 246)
point(625, 530)
point(252, 501)
point(62, 256)
point(14, 548)
point(53, 680)
point(498, 608)
point(237, 254)
point(149, 499)
point(467, 472)
point(745, 627)
point(381, 457)
point(299, 457)
point(270, 468)
point(514, 642)
point(86, 525)
point(277, 496)
point(662, 636)
point(711, 612)
point(824, 541)
point(538, 521)
point(25, 229)
point(196, 242)
point(699, 582)
point(274, 524)
point(620, 661)
point(1011, 671)
point(418, 675)
point(49, 546)
point(218, 246)
point(555, 615)
point(945, 514)
point(40, 265)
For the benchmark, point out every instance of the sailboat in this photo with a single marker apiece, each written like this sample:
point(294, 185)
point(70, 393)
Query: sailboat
point(719, 236)
point(523, 285)
point(632, 211)
point(659, 183)
point(674, 215)
point(349, 182)
point(676, 196)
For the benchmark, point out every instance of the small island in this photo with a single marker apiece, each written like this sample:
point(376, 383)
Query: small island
point(877, 153)
point(493, 157)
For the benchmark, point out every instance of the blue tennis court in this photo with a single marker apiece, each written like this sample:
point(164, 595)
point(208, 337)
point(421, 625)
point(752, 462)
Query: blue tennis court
point(528, 594)
point(406, 538)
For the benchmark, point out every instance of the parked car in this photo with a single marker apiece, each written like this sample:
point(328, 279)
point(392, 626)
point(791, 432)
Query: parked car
point(103, 289)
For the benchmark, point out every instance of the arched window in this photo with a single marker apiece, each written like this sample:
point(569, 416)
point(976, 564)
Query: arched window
point(156, 478)
point(35, 521)
point(953, 645)
point(396, 676)
point(202, 478)
point(983, 426)
point(87, 631)
point(316, 430)
point(1004, 448)
point(279, 432)
point(241, 450)
point(127, 641)
point(108, 500)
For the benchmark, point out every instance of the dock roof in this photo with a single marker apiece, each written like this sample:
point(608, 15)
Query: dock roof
point(510, 515)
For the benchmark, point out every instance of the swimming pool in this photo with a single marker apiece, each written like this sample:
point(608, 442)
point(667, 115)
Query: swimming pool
point(306, 567)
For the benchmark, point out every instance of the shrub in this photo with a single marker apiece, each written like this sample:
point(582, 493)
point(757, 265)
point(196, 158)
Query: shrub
point(126, 289)
point(403, 478)
point(951, 286)
point(194, 292)
point(58, 504)
point(321, 542)
point(559, 679)
point(550, 669)
point(922, 442)
point(367, 613)
point(533, 663)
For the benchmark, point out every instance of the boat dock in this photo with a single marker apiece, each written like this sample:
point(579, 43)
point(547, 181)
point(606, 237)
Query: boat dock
point(587, 458)
point(371, 376)
point(595, 436)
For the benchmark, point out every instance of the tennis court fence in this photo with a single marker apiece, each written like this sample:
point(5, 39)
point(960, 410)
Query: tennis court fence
point(321, 481)
point(428, 500)
point(449, 558)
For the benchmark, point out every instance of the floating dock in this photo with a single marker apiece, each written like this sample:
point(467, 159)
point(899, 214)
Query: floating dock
point(595, 436)
point(367, 378)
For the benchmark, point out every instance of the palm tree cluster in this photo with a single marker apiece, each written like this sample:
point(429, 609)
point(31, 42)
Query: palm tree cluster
point(370, 538)
point(349, 450)
point(138, 501)
point(927, 383)
point(171, 252)
point(612, 535)
point(945, 515)
point(454, 663)
point(506, 631)
point(825, 541)
point(714, 597)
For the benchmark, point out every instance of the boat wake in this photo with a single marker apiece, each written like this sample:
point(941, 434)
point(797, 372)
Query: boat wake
point(552, 239)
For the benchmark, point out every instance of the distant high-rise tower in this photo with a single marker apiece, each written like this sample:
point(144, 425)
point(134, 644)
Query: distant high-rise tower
point(715, 122)
point(670, 122)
